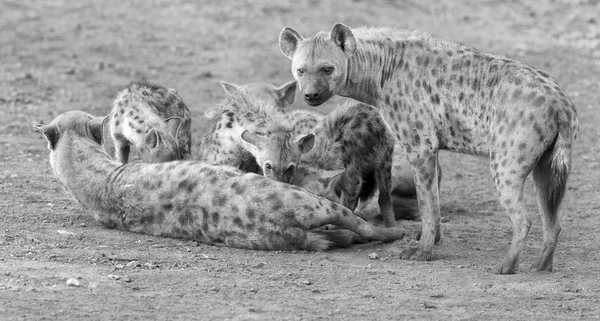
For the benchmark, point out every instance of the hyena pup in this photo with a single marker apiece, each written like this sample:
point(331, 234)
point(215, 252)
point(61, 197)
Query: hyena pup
point(153, 119)
point(352, 137)
point(193, 200)
point(434, 95)
point(282, 96)
point(301, 121)
point(236, 116)
point(317, 178)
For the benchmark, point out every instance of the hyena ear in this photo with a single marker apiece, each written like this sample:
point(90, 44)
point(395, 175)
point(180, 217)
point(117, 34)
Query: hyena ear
point(251, 138)
point(96, 127)
point(344, 38)
point(152, 138)
point(174, 124)
point(213, 113)
point(229, 88)
point(306, 143)
point(287, 92)
point(289, 39)
point(50, 132)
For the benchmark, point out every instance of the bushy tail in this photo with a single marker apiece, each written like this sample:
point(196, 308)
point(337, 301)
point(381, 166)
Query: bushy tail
point(560, 159)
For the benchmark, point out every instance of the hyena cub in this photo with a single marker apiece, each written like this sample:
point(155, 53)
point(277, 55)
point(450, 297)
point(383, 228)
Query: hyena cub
point(435, 95)
point(194, 200)
point(154, 120)
point(226, 142)
point(301, 121)
point(352, 137)
point(282, 96)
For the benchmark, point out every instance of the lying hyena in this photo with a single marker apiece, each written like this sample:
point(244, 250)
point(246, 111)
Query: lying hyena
point(352, 137)
point(302, 121)
point(226, 142)
point(193, 200)
point(436, 95)
point(152, 118)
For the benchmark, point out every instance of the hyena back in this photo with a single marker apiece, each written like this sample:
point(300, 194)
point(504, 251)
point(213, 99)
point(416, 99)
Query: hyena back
point(192, 200)
point(434, 95)
point(152, 118)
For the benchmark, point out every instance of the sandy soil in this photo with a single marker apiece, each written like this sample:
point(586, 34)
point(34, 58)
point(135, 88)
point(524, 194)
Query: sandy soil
point(61, 55)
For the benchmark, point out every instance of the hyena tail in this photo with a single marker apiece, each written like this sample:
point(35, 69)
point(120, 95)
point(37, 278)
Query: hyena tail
point(558, 157)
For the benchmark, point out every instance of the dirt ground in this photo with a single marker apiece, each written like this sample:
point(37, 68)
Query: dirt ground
point(61, 55)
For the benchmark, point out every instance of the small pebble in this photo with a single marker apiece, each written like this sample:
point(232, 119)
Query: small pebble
point(373, 256)
point(304, 281)
point(259, 265)
point(114, 276)
point(73, 282)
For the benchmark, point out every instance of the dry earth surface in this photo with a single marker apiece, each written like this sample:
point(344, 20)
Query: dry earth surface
point(61, 55)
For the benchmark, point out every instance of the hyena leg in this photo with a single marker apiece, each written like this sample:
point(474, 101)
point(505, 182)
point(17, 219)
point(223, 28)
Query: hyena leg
point(384, 185)
point(425, 173)
point(121, 148)
point(509, 177)
point(350, 184)
point(542, 174)
point(344, 218)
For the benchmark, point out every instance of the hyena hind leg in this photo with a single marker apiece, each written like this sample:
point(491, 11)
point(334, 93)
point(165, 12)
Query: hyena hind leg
point(509, 187)
point(542, 180)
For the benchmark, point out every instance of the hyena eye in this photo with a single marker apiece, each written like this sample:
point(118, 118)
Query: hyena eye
point(300, 71)
point(268, 166)
point(328, 70)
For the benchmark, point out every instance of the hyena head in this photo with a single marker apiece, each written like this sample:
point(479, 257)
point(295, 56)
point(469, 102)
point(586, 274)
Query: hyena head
point(73, 123)
point(278, 152)
point(282, 97)
point(319, 63)
point(163, 146)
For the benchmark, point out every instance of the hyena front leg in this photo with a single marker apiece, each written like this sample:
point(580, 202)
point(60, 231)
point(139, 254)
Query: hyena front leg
point(384, 185)
point(121, 148)
point(424, 166)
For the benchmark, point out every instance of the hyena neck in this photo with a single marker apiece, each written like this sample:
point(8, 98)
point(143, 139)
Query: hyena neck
point(376, 65)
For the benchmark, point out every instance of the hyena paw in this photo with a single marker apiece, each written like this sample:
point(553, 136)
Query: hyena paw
point(415, 253)
point(505, 269)
point(541, 266)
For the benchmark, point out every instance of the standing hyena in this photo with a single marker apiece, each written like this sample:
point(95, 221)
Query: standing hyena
point(193, 200)
point(437, 95)
point(352, 137)
point(152, 118)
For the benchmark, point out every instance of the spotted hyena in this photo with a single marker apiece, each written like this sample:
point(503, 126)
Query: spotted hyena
point(302, 121)
point(352, 137)
point(193, 200)
point(436, 94)
point(227, 140)
point(282, 96)
point(153, 119)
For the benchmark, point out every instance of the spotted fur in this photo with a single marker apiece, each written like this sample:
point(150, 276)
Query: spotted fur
point(194, 200)
point(435, 94)
point(153, 119)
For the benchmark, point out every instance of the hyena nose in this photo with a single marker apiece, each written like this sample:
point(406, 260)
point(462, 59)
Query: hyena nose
point(311, 96)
